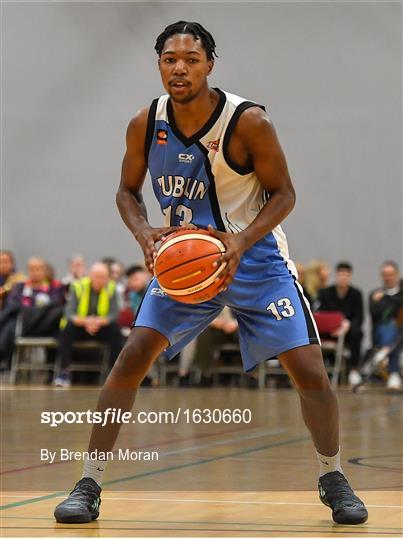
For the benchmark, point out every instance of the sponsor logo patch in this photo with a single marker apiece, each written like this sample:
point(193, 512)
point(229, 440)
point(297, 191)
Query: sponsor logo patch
point(185, 158)
point(156, 291)
point(162, 136)
point(214, 145)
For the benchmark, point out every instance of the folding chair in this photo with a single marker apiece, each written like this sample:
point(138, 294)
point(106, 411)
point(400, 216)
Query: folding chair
point(101, 367)
point(29, 353)
point(329, 322)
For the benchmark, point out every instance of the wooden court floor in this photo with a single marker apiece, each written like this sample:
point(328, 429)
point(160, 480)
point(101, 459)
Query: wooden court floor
point(254, 478)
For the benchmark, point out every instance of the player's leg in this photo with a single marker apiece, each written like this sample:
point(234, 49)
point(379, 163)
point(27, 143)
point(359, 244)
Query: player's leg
point(275, 321)
point(320, 412)
point(142, 347)
point(306, 369)
point(161, 324)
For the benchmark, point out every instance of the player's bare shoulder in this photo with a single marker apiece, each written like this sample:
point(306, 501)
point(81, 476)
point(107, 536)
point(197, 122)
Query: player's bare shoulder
point(137, 128)
point(258, 137)
point(253, 125)
point(134, 164)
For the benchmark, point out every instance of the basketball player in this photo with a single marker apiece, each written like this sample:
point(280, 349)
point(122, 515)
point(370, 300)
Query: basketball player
point(215, 160)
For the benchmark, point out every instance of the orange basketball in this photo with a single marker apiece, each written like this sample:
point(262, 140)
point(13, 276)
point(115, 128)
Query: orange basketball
point(184, 266)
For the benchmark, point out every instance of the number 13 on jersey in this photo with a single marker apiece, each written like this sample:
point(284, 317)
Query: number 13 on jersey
point(281, 308)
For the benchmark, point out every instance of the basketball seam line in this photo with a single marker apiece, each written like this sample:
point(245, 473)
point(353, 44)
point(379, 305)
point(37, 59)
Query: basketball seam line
point(185, 262)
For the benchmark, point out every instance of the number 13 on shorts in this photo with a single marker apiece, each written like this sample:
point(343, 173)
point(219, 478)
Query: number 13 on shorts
point(281, 308)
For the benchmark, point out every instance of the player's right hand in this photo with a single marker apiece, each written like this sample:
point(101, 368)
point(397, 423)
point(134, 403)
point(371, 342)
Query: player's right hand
point(148, 238)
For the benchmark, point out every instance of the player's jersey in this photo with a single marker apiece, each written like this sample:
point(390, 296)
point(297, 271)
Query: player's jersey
point(195, 180)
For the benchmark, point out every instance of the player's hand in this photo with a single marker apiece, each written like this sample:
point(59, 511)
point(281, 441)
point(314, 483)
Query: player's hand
point(236, 246)
point(149, 237)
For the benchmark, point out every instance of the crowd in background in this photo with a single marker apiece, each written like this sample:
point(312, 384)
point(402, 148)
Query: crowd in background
point(100, 303)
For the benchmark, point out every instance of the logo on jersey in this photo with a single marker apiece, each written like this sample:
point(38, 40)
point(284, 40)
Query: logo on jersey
point(156, 291)
point(162, 136)
point(185, 158)
point(214, 145)
point(179, 186)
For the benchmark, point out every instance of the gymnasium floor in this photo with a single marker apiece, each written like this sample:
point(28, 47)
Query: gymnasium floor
point(235, 479)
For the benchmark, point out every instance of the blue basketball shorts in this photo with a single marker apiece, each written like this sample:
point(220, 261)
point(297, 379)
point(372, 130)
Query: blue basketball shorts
point(272, 313)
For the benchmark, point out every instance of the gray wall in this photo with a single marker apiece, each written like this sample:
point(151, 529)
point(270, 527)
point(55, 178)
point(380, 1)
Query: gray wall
point(329, 73)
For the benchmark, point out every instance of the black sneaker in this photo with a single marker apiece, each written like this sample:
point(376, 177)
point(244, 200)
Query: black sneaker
point(82, 505)
point(335, 491)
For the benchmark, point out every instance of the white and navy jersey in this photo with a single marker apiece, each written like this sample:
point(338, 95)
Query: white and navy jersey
point(194, 178)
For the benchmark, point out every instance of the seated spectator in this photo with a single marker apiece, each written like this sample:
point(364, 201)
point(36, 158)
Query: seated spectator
point(91, 314)
point(116, 274)
point(8, 275)
point(77, 270)
point(224, 329)
point(301, 280)
point(343, 297)
point(41, 302)
point(138, 279)
point(317, 275)
point(385, 304)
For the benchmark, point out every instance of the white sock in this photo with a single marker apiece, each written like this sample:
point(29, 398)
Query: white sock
point(94, 468)
point(329, 464)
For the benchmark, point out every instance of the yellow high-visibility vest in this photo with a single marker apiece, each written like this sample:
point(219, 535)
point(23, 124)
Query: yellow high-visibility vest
point(82, 290)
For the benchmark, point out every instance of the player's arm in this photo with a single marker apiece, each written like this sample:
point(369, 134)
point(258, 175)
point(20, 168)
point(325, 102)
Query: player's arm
point(134, 168)
point(128, 197)
point(258, 137)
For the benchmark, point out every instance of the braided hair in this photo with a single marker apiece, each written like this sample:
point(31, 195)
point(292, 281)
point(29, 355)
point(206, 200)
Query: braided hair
point(193, 28)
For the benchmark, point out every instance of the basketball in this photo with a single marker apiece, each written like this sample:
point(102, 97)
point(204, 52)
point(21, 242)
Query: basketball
point(184, 266)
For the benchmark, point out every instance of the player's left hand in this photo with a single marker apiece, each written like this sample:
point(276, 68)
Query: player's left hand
point(236, 246)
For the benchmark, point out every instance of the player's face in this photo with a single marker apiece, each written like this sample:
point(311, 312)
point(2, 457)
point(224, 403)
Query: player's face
point(184, 67)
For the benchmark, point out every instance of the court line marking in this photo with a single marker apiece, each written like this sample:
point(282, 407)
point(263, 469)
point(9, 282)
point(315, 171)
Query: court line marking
point(327, 531)
point(232, 501)
point(155, 472)
point(218, 501)
point(364, 526)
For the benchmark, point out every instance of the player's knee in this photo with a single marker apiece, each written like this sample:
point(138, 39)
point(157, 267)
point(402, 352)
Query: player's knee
point(314, 378)
point(134, 360)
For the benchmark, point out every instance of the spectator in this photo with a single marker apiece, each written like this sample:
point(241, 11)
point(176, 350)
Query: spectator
point(301, 280)
point(77, 270)
point(41, 302)
point(342, 296)
point(91, 313)
point(316, 277)
point(8, 275)
point(116, 273)
point(138, 279)
point(385, 304)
